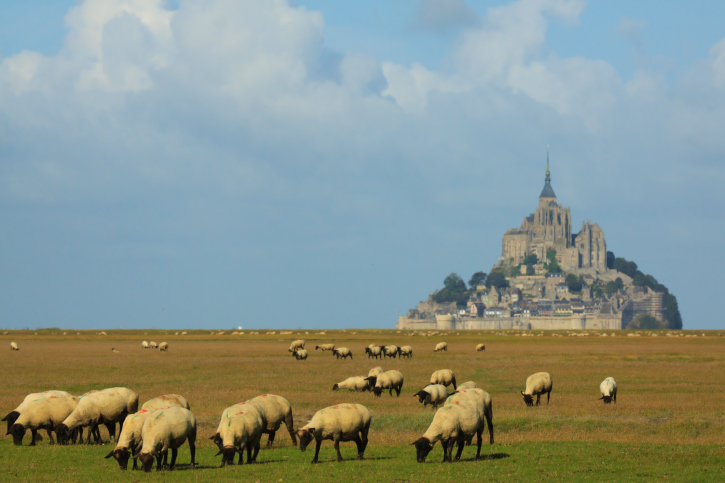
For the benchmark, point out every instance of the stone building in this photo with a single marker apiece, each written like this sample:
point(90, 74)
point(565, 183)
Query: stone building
point(550, 226)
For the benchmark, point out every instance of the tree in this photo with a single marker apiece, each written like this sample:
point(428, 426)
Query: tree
point(639, 279)
point(530, 270)
point(478, 278)
point(611, 288)
point(573, 282)
point(672, 312)
point(620, 284)
point(551, 254)
point(497, 279)
point(516, 271)
point(454, 283)
point(644, 321)
point(531, 259)
point(610, 260)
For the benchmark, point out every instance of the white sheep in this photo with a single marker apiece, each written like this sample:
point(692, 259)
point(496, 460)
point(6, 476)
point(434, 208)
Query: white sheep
point(339, 423)
point(443, 376)
point(343, 352)
point(325, 347)
point(164, 346)
point(441, 346)
point(387, 380)
point(390, 351)
point(243, 431)
point(14, 346)
point(130, 440)
point(434, 394)
point(608, 388)
point(467, 385)
point(481, 348)
point(406, 351)
point(167, 400)
point(43, 413)
point(355, 383)
point(375, 352)
point(375, 371)
point(536, 385)
point(228, 414)
point(144, 345)
point(453, 423)
point(13, 415)
point(109, 406)
point(483, 402)
point(300, 354)
point(297, 344)
point(163, 430)
point(153, 345)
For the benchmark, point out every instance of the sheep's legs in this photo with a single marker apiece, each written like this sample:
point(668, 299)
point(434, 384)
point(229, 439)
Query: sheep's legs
point(360, 448)
point(538, 398)
point(317, 450)
point(174, 452)
point(270, 441)
point(461, 444)
point(397, 390)
point(158, 461)
point(337, 448)
point(445, 450)
point(192, 449)
point(50, 436)
point(34, 435)
point(254, 456)
point(479, 433)
point(548, 396)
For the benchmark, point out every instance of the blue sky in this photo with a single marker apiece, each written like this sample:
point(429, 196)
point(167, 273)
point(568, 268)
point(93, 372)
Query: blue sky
point(326, 164)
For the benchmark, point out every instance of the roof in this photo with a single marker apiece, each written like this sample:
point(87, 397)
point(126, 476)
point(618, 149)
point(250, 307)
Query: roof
point(548, 191)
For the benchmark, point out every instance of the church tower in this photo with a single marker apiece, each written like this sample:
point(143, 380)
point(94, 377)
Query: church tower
point(547, 194)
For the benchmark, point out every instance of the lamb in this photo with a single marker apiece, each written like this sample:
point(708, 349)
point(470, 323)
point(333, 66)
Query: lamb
point(484, 405)
point(453, 423)
point(339, 423)
point(387, 380)
point(300, 354)
point(13, 415)
point(163, 430)
point(467, 385)
point(375, 352)
point(480, 347)
point(275, 410)
point(445, 377)
point(355, 383)
point(343, 352)
point(434, 394)
point(536, 385)
point(130, 440)
point(45, 413)
point(390, 351)
point(109, 406)
point(297, 344)
point(441, 346)
point(243, 431)
point(163, 346)
point(167, 400)
point(14, 346)
point(406, 351)
point(153, 345)
point(608, 388)
point(325, 347)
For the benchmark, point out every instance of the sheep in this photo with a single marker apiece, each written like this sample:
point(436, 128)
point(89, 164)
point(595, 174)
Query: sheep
point(441, 346)
point(375, 352)
point(163, 430)
point(483, 402)
point(608, 388)
point(406, 351)
point(339, 423)
point(109, 406)
point(373, 376)
point(387, 380)
point(164, 346)
point(14, 346)
point(244, 430)
point(481, 348)
point(130, 439)
point(536, 385)
point(300, 354)
point(445, 377)
point(453, 423)
point(355, 383)
point(390, 351)
point(167, 400)
point(227, 415)
point(115, 350)
point(45, 413)
point(275, 410)
point(434, 394)
point(467, 385)
point(153, 345)
point(325, 347)
point(370, 346)
point(297, 344)
point(13, 415)
point(343, 352)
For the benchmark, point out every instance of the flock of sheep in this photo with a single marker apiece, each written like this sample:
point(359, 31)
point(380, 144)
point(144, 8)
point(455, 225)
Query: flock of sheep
point(166, 422)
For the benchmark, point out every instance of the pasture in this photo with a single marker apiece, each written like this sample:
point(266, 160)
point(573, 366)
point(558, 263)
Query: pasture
point(669, 421)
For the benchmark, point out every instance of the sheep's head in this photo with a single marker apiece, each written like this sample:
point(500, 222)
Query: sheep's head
point(11, 417)
point(62, 433)
point(18, 431)
point(606, 399)
point(528, 399)
point(306, 436)
point(368, 350)
point(335, 387)
point(121, 455)
point(421, 395)
point(377, 390)
point(217, 440)
point(422, 447)
point(147, 461)
point(227, 453)
point(372, 380)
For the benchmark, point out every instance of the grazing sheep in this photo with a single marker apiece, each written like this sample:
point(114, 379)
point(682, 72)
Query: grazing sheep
point(45, 413)
point(343, 352)
point(434, 394)
point(453, 423)
point(14, 346)
point(167, 400)
point(387, 380)
point(163, 430)
point(370, 346)
point(441, 346)
point(13, 415)
point(480, 348)
point(373, 376)
point(109, 406)
point(183, 333)
point(484, 405)
point(243, 431)
point(325, 347)
point(114, 350)
point(144, 345)
point(406, 351)
point(102, 333)
point(339, 423)
point(228, 414)
point(355, 383)
point(390, 351)
point(153, 345)
point(275, 410)
point(608, 388)
point(164, 346)
point(297, 344)
point(467, 385)
point(300, 354)
point(445, 377)
point(536, 385)
point(375, 352)
point(130, 439)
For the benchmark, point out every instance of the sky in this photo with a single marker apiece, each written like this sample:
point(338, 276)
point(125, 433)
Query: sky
point(326, 164)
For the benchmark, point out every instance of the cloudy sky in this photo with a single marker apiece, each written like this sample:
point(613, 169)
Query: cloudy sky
point(317, 163)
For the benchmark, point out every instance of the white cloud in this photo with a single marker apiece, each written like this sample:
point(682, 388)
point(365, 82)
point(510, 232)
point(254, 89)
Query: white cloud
point(444, 15)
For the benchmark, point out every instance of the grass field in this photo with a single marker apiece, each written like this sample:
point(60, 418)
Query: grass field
point(669, 421)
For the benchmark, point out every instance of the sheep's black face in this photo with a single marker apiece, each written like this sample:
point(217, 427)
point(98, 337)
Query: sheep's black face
point(62, 433)
point(422, 447)
point(305, 438)
point(367, 350)
point(121, 455)
point(228, 455)
point(11, 418)
point(147, 461)
point(217, 439)
point(607, 399)
point(18, 431)
point(335, 387)
point(372, 380)
point(529, 400)
point(421, 396)
point(378, 391)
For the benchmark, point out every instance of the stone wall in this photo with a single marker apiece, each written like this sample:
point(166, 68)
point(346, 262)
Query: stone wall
point(574, 322)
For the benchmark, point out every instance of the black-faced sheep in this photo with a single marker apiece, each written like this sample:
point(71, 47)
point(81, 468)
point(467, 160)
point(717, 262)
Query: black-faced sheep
point(387, 380)
point(454, 423)
point(445, 377)
point(163, 430)
point(275, 410)
point(374, 352)
point(433, 394)
point(483, 402)
point(300, 354)
point(480, 348)
point(14, 346)
point(390, 351)
point(339, 423)
point(325, 347)
point(108, 407)
point(608, 388)
point(297, 344)
point(355, 383)
point(130, 440)
point(406, 351)
point(243, 431)
point(441, 346)
point(45, 413)
point(536, 385)
point(343, 352)
point(13, 415)
point(164, 346)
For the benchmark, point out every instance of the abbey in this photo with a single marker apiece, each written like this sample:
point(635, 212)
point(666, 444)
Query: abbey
point(550, 227)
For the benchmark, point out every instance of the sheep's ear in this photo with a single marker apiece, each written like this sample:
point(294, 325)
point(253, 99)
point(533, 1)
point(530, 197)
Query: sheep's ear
point(416, 441)
point(212, 438)
point(310, 430)
point(109, 455)
point(522, 393)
